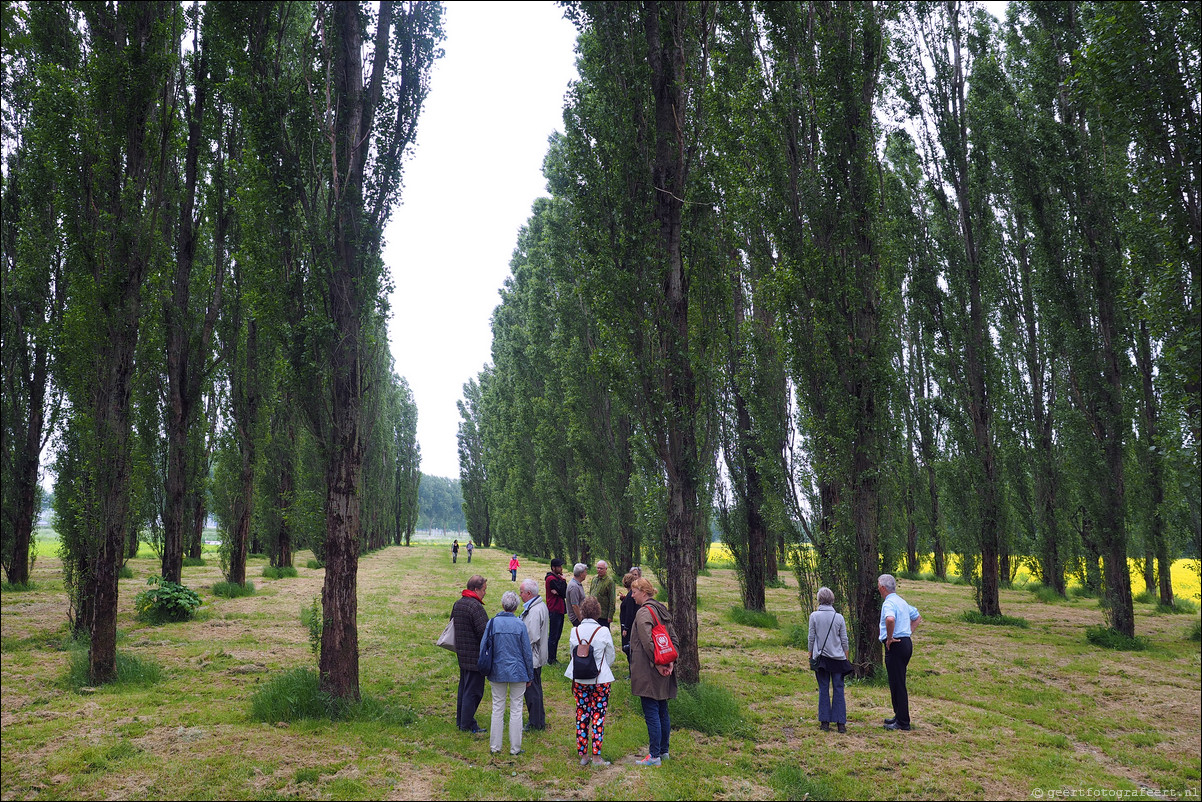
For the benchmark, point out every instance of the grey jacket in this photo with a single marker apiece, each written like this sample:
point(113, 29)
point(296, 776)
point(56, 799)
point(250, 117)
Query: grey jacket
point(575, 598)
point(833, 645)
point(538, 626)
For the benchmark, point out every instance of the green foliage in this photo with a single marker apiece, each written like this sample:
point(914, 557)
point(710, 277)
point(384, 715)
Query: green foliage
point(752, 618)
point(125, 572)
point(18, 587)
point(1194, 633)
point(792, 782)
point(707, 708)
point(1044, 593)
point(877, 679)
point(1179, 606)
point(1146, 597)
point(315, 564)
point(296, 695)
point(232, 590)
point(1109, 638)
point(311, 617)
point(131, 670)
point(194, 562)
point(281, 572)
point(440, 504)
point(165, 601)
point(799, 636)
point(975, 617)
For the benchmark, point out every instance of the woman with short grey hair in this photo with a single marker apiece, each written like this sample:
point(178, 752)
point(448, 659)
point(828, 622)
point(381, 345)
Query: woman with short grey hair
point(508, 662)
point(827, 644)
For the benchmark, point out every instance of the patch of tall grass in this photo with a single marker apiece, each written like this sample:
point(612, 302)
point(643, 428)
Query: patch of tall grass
point(130, 670)
point(1109, 638)
point(125, 572)
point(791, 781)
point(754, 618)
point(315, 564)
point(798, 636)
point(976, 617)
point(273, 572)
point(194, 562)
point(18, 587)
point(232, 590)
point(296, 695)
point(707, 708)
point(1179, 606)
point(1045, 594)
point(1194, 633)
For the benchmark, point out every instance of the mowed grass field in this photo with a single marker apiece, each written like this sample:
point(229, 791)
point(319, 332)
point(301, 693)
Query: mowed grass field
point(999, 712)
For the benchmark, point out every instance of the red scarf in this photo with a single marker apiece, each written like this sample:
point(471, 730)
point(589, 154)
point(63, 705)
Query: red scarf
point(471, 594)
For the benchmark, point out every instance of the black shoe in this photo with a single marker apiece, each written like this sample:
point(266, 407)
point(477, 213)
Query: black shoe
point(891, 720)
point(843, 728)
point(825, 726)
point(893, 725)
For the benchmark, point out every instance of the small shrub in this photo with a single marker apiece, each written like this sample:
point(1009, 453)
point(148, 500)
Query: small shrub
point(165, 601)
point(272, 572)
point(775, 584)
point(1082, 592)
point(1179, 606)
point(976, 617)
point(1044, 593)
point(232, 590)
point(710, 709)
point(1109, 638)
point(18, 587)
point(793, 783)
point(311, 617)
point(194, 562)
point(752, 618)
point(1146, 597)
point(1194, 633)
point(315, 564)
point(296, 695)
point(125, 572)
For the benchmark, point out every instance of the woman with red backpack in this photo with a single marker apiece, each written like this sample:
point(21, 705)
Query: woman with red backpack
point(652, 667)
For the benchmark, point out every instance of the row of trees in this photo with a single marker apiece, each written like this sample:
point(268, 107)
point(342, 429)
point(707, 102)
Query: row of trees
point(859, 282)
point(194, 201)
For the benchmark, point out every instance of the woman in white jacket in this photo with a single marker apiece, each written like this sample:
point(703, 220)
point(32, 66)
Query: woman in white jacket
point(591, 693)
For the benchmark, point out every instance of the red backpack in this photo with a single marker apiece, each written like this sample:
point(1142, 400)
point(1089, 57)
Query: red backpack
point(665, 652)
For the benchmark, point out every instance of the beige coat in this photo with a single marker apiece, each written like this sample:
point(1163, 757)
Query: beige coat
point(645, 679)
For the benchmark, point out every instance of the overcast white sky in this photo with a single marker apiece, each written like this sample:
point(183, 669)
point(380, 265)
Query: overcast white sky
point(495, 98)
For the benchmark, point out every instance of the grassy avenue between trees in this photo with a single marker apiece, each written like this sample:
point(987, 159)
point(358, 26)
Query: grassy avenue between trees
point(999, 712)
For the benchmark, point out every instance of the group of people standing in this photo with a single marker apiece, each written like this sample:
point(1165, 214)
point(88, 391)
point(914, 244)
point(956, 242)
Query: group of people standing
point(827, 644)
point(511, 649)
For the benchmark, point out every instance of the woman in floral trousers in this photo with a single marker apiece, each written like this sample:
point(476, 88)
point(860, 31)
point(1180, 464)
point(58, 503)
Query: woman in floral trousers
point(592, 695)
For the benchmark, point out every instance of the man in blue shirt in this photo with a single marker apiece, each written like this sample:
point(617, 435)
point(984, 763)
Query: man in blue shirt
point(898, 620)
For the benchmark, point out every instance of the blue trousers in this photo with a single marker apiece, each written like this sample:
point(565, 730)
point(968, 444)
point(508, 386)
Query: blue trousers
point(659, 727)
point(831, 705)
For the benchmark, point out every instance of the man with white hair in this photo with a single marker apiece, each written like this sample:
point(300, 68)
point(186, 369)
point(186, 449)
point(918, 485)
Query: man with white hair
point(898, 620)
point(576, 593)
point(604, 590)
point(538, 627)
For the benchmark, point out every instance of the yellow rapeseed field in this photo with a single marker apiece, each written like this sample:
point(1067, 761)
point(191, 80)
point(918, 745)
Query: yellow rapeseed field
point(1187, 583)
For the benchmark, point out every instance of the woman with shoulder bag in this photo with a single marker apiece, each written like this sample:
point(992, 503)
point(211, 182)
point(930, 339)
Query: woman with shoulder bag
point(827, 644)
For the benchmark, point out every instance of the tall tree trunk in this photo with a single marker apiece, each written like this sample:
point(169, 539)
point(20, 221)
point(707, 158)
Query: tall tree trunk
point(29, 460)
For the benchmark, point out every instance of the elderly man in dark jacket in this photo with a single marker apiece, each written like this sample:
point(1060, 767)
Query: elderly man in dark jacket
point(470, 621)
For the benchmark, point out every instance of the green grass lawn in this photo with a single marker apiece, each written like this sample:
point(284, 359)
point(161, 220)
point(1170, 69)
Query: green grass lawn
point(999, 712)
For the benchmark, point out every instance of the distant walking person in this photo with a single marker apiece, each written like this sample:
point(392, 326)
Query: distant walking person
point(898, 621)
point(538, 627)
point(604, 590)
point(557, 593)
point(827, 642)
point(514, 565)
point(455, 552)
point(511, 672)
point(470, 547)
point(592, 692)
point(470, 623)
point(653, 684)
